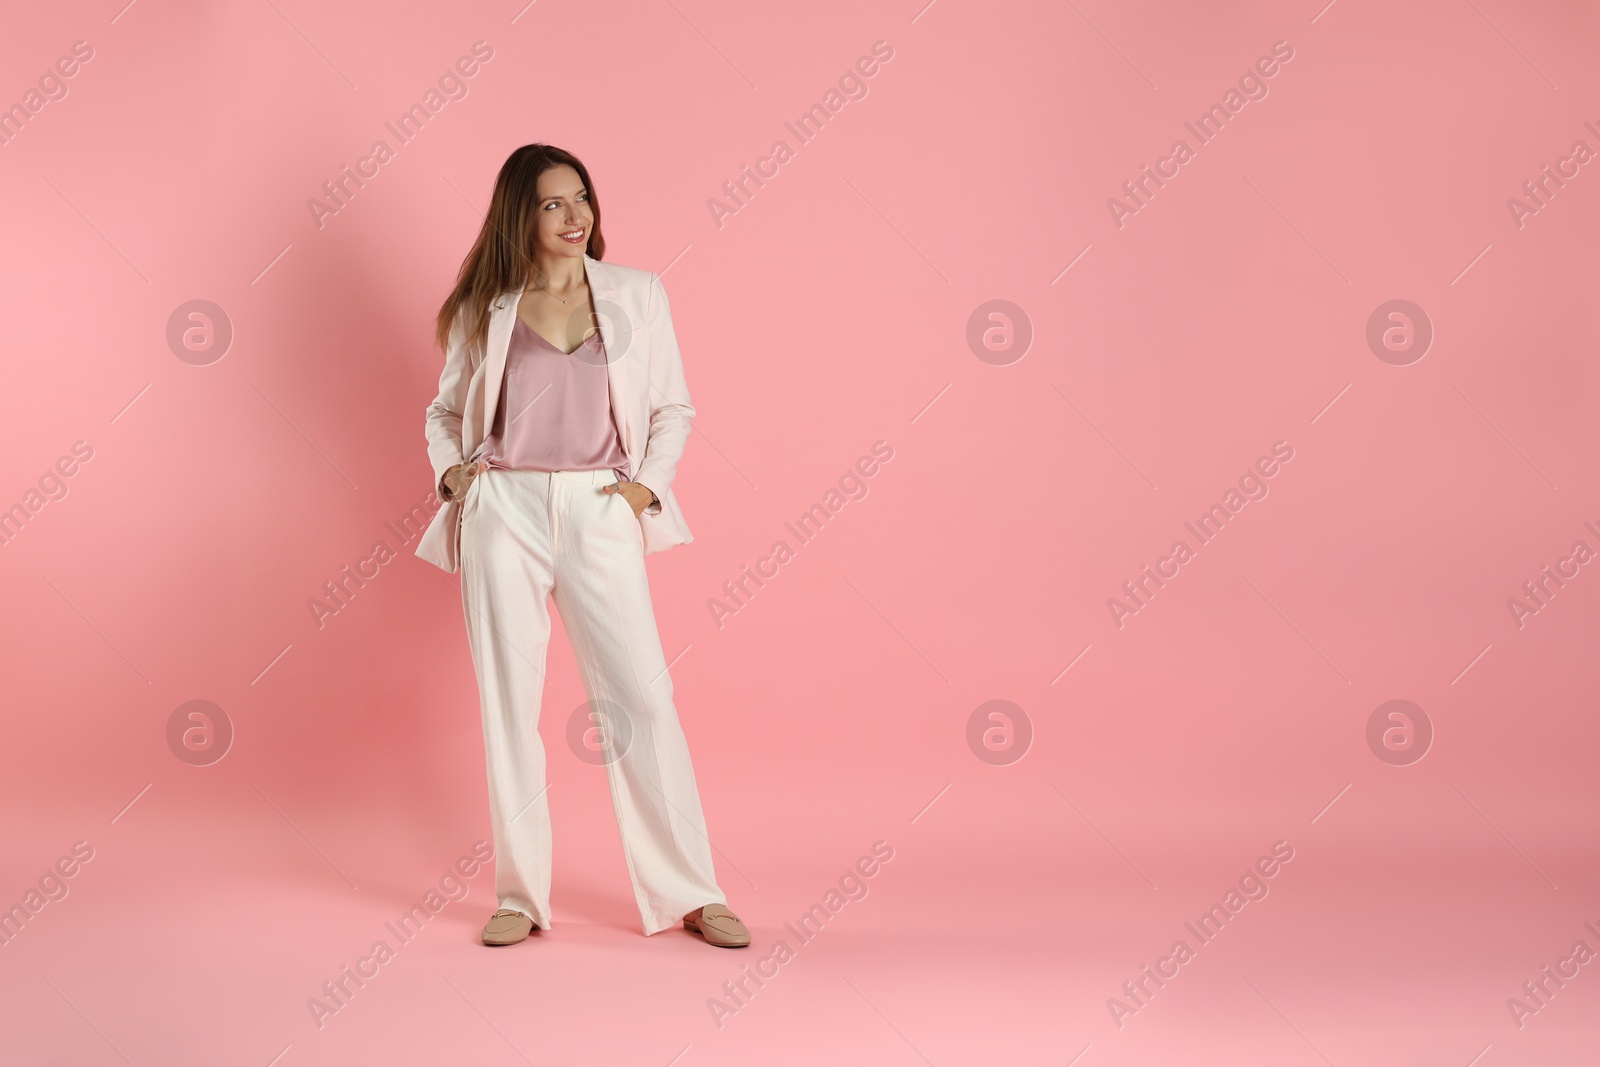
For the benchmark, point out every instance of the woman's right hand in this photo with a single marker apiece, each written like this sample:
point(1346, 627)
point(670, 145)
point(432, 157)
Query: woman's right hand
point(457, 478)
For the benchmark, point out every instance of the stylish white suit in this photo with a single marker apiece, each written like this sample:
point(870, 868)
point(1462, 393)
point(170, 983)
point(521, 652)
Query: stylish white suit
point(522, 537)
point(649, 400)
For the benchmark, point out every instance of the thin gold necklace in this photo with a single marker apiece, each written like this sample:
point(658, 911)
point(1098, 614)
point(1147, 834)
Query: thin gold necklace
point(546, 289)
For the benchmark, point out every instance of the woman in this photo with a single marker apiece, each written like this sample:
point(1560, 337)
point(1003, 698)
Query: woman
point(554, 439)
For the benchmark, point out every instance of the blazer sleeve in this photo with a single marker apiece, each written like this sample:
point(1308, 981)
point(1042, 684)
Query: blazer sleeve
point(443, 425)
point(670, 410)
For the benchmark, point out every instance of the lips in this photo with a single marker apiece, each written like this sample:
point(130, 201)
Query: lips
point(573, 237)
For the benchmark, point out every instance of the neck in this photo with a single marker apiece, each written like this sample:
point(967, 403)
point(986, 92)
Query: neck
point(560, 273)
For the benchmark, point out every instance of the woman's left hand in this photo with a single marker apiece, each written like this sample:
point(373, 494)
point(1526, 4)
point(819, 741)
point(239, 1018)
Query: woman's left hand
point(638, 496)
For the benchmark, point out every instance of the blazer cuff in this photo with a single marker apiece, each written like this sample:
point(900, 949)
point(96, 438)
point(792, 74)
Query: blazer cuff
point(656, 474)
point(439, 470)
point(654, 507)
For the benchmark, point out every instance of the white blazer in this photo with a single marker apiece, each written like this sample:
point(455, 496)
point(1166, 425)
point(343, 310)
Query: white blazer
point(649, 400)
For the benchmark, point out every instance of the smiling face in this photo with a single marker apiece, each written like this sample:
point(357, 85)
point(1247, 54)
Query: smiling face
point(564, 215)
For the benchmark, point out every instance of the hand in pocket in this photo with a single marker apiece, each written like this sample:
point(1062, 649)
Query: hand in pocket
point(637, 496)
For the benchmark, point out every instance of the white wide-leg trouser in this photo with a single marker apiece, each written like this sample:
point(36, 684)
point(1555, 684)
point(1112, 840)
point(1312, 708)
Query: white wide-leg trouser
point(526, 535)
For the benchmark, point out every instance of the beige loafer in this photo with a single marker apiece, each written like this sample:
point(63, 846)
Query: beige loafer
point(506, 927)
point(718, 926)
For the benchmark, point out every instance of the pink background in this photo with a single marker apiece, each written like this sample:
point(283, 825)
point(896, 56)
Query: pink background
point(831, 712)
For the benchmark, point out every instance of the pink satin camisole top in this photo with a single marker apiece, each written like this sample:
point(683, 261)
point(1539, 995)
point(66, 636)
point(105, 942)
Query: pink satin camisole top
point(554, 412)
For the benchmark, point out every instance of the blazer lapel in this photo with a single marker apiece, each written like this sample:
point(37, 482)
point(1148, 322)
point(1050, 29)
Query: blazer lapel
point(502, 317)
point(610, 314)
